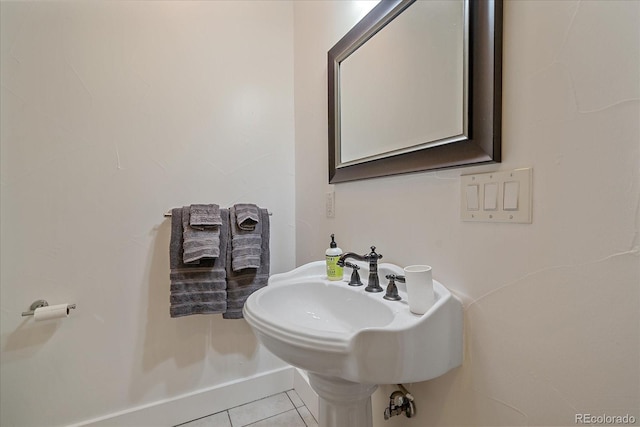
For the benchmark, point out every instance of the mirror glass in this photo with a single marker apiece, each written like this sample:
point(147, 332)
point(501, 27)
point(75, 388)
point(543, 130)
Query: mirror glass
point(414, 86)
point(380, 113)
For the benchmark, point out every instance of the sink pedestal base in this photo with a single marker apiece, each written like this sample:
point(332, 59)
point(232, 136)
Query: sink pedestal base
point(342, 403)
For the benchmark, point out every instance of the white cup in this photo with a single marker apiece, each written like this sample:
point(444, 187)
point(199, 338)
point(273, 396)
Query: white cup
point(419, 288)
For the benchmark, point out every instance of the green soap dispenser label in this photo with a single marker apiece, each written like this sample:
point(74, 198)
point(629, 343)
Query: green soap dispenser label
point(334, 271)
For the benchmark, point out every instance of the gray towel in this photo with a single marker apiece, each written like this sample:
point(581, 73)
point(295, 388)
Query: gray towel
point(202, 216)
point(241, 284)
point(201, 288)
point(245, 244)
point(199, 242)
point(247, 216)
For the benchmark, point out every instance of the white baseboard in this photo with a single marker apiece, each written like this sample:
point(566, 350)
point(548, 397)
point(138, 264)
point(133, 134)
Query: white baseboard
point(304, 390)
point(201, 403)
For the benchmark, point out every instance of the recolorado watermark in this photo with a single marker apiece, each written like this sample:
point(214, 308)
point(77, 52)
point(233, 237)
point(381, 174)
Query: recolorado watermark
point(604, 419)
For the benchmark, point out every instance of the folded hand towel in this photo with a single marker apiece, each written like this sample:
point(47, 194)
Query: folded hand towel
point(205, 216)
point(245, 244)
point(241, 284)
point(201, 288)
point(199, 243)
point(247, 216)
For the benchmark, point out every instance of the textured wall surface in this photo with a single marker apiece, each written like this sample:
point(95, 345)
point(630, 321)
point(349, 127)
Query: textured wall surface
point(112, 114)
point(552, 308)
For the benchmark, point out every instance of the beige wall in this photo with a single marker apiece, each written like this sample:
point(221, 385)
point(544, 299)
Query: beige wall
point(113, 113)
point(551, 309)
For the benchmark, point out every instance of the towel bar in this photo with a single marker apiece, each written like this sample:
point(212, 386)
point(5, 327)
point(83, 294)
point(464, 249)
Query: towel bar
point(168, 214)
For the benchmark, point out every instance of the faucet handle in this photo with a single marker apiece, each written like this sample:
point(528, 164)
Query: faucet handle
point(392, 289)
point(355, 276)
point(351, 265)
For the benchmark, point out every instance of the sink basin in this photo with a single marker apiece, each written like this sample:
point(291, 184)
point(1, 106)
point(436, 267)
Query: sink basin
point(325, 308)
point(339, 331)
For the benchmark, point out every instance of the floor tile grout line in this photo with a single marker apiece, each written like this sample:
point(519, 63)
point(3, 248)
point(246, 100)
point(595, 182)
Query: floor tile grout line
point(273, 416)
point(296, 408)
point(227, 411)
point(301, 417)
point(313, 417)
point(202, 417)
point(290, 399)
point(258, 400)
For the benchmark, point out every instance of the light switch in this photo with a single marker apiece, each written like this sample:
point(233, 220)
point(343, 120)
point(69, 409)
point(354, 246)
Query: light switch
point(511, 189)
point(499, 196)
point(472, 198)
point(490, 196)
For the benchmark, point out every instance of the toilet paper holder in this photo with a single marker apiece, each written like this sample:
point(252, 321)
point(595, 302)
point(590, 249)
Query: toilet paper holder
point(41, 303)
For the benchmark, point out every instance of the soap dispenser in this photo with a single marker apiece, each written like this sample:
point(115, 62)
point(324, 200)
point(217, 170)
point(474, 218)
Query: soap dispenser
point(334, 271)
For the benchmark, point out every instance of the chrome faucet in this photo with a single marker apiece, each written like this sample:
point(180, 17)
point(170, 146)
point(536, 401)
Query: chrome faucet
point(372, 257)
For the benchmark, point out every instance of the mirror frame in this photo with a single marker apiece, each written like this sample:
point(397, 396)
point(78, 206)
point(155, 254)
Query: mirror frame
point(482, 143)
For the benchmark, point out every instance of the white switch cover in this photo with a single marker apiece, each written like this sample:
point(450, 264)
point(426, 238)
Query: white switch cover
point(472, 198)
point(505, 196)
point(511, 190)
point(490, 196)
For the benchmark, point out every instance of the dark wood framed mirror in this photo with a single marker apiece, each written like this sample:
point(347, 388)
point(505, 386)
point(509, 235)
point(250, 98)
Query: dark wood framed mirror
point(475, 135)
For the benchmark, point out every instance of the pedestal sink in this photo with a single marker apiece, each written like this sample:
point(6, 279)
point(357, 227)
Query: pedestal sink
point(350, 340)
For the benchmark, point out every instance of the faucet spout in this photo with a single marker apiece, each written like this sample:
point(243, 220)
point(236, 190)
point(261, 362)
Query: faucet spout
point(372, 257)
point(345, 256)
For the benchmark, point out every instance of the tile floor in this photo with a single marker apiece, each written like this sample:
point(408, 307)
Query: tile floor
point(279, 410)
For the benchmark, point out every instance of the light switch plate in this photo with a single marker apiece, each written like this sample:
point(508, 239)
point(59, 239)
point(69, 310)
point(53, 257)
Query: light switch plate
point(330, 204)
point(513, 201)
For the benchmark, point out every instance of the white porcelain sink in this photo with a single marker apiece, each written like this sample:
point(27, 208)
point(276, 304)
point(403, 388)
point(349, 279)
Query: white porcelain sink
point(326, 308)
point(335, 330)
